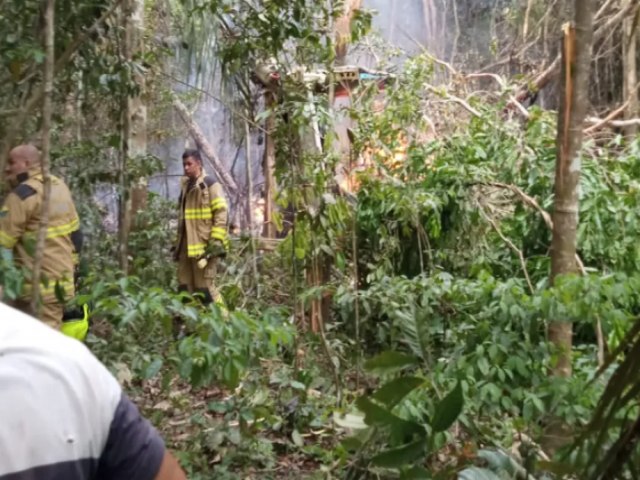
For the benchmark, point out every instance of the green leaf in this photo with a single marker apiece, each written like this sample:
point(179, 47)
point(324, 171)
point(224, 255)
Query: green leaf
point(391, 393)
point(397, 457)
point(297, 439)
point(390, 361)
point(477, 473)
point(375, 415)
point(153, 369)
point(415, 473)
point(350, 421)
point(448, 409)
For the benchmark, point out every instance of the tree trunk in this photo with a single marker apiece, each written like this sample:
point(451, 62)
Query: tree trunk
point(342, 30)
point(576, 61)
point(268, 166)
point(137, 111)
point(630, 68)
point(222, 173)
point(605, 26)
point(47, 110)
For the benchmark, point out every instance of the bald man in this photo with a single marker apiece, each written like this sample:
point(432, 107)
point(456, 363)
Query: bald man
point(19, 224)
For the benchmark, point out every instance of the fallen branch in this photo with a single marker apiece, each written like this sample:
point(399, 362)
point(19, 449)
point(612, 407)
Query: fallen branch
point(511, 245)
point(598, 122)
point(607, 119)
point(455, 99)
point(533, 203)
point(198, 135)
point(521, 109)
point(541, 80)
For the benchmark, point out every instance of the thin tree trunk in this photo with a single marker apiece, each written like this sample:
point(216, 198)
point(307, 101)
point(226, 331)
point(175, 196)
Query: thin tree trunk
point(268, 166)
point(47, 110)
point(576, 61)
point(543, 78)
point(194, 129)
point(252, 243)
point(123, 197)
point(630, 68)
point(137, 111)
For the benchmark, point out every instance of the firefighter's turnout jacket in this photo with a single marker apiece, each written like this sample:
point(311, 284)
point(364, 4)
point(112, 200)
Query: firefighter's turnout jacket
point(19, 224)
point(202, 223)
point(203, 215)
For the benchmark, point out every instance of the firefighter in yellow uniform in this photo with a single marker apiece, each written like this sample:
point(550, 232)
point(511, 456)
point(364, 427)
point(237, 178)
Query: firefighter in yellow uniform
point(19, 224)
point(202, 230)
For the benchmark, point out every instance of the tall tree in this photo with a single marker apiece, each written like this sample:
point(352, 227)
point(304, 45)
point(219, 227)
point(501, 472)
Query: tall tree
point(134, 128)
point(630, 67)
point(136, 108)
point(576, 61)
point(47, 111)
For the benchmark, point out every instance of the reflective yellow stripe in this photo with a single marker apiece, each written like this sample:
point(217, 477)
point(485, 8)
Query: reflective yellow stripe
point(219, 233)
point(218, 204)
point(196, 249)
point(197, 213)
point(66, 285)
point(63, 230)
point(7, 241)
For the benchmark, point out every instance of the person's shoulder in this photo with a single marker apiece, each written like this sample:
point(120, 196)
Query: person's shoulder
point(209, 181)
point(25, 190)
point(53, 388)
point(26, 337)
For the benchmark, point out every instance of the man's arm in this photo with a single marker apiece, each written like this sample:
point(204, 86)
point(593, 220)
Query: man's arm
point(134, 449)
point(14, 215)
point(170, 470)
point(219, 212)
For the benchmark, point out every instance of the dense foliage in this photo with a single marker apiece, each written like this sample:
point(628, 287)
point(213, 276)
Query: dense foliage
point(432, 360)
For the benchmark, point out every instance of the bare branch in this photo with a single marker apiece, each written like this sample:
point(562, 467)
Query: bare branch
point(618, 111)
point(511, 245)
point(523, 111)
point(533, 203)
point(455, 99)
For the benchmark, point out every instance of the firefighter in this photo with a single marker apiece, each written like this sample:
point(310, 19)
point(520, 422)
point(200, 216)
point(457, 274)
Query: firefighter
point(19, 224)
point(202, 230)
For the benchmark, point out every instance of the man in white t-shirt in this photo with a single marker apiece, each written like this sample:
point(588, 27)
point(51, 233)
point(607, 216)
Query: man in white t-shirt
point(63, 416)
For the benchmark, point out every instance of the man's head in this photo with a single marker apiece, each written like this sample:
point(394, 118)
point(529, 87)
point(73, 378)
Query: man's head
point(192, 163)
point(21, 159)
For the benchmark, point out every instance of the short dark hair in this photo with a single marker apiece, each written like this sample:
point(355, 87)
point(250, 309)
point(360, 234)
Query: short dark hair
point(193, 153)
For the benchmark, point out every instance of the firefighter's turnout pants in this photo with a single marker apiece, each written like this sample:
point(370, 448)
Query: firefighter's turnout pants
point(195, 280)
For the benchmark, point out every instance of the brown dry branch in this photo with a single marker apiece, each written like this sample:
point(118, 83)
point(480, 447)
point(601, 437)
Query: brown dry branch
point(510, 244)
point(533, 203)
point(503, 85)
point(605, 28)
point(598, 123)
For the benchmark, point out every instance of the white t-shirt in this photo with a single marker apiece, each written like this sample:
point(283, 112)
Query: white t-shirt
point(63, 416)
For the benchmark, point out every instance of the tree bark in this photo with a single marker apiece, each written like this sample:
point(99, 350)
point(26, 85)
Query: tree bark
point(630, 68)
point(543, 78)
point(576, 61)
point(137, 111)
point(268, 166)
point(342, 30)
point(222, 173)
point(47, 110)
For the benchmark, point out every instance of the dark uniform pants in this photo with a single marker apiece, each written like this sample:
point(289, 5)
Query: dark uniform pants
point(193, 279)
